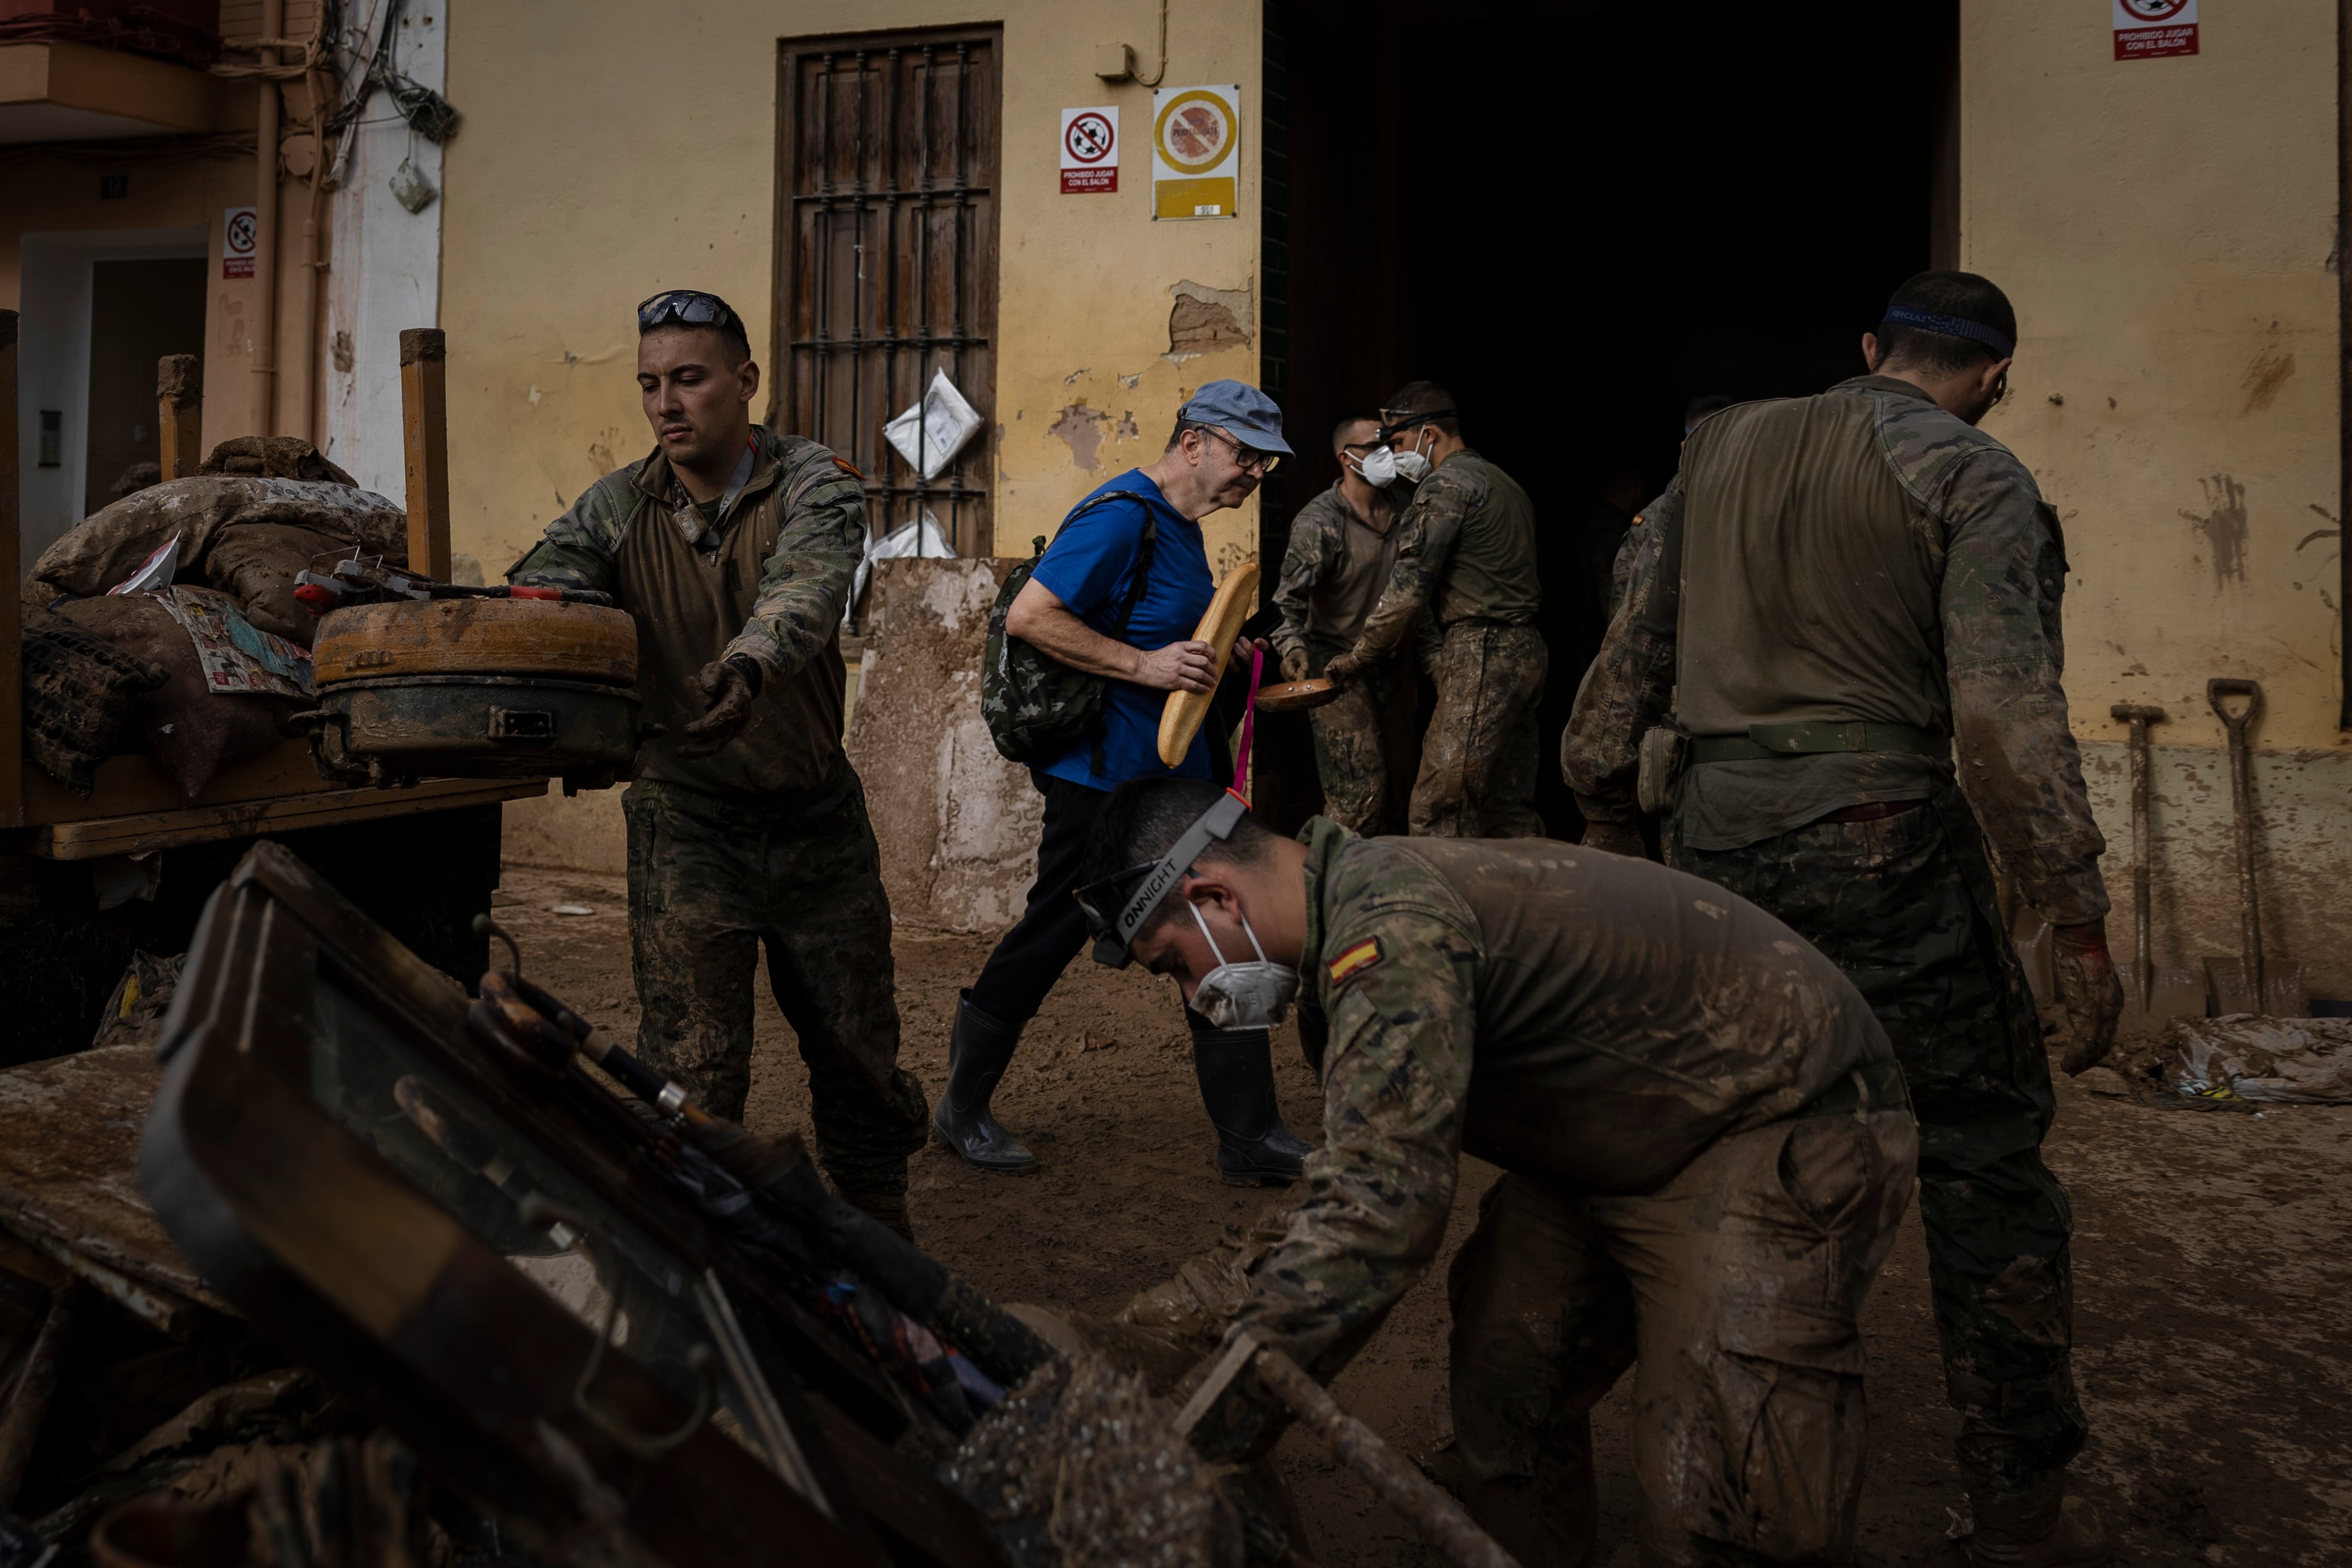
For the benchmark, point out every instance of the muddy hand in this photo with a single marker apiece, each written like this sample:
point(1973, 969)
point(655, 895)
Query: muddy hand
point(1342, 671)
point(2090, 997)
point(1294, 665)
point(728, 695)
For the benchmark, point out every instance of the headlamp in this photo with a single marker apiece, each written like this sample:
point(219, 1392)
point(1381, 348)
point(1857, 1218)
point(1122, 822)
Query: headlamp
point(1117, 907)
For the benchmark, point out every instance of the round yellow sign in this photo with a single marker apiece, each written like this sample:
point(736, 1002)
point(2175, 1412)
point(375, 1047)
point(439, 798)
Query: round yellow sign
point(1195, 131)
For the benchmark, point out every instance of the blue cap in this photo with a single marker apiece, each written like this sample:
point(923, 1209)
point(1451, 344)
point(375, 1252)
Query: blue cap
point(1248, 414)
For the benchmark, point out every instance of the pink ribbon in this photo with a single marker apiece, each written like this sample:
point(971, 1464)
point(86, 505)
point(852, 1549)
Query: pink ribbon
point(1249, 724)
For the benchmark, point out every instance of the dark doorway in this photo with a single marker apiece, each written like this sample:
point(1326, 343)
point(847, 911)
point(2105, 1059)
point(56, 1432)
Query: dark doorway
point(1579, 218)
point(138, 312)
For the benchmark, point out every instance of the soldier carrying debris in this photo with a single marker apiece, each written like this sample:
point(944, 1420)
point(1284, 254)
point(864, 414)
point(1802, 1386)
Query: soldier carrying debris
point(1466, 565)
point(1867, 577)
point(1342, 548)
point(733, 547)
point(1704, 1130)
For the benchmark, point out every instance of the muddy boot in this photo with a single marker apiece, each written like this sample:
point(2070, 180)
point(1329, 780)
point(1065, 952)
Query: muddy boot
point(978, 1052)
point(890, 1208)
point(2039, 1527)
point(1235, 1067)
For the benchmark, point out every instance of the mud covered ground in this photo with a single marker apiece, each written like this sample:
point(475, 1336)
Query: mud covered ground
point(2211, 1265)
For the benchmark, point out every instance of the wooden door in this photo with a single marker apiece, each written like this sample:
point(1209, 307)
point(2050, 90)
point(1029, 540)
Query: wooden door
point(886, 257)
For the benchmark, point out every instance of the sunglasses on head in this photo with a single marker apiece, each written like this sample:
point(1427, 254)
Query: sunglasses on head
point(689, 308)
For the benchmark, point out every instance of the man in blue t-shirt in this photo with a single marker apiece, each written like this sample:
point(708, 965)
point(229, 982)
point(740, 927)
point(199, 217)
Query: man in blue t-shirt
point(1226, 438)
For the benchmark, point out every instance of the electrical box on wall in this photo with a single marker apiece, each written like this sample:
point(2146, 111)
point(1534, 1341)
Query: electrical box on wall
point(1114, 62)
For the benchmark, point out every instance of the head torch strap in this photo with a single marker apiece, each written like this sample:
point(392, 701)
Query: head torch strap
point(1396, 424)
point(1951, 327)
point(1215, 823)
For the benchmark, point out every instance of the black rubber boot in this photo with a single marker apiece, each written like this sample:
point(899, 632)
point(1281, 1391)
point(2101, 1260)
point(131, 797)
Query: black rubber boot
point(1235, 1067)
point(2036, 1526)
point(978, 1052)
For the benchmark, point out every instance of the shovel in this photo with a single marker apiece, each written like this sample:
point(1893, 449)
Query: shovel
point(2155, 995)
point(2250, 983)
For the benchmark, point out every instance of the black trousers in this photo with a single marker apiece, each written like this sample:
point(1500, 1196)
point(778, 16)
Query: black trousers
point(1013, 983)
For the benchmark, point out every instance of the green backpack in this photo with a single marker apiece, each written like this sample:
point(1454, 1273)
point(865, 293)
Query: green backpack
point(1036, 706)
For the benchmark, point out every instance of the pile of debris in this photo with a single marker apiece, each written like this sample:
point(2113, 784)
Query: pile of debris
point(167, 623)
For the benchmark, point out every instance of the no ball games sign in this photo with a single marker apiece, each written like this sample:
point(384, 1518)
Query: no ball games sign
point(238, 232)
point(1196, 133)
point(2150, 29)
point(1089, 150)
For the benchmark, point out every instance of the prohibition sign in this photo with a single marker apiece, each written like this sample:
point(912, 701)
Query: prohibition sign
point(2153, 11)
point(1194, 132)
point(1089, 139)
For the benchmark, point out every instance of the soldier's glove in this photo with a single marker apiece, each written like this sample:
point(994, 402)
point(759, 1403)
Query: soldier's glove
point(1617, 838)
point(1294, 665)
point(2089, 996)
point(1343, 670)
point(728, 686)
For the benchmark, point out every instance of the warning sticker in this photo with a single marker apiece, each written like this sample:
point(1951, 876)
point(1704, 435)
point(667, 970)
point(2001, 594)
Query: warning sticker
point(1194, 133)
point(238, 226)
point(1089, 150)
point(2150, 29)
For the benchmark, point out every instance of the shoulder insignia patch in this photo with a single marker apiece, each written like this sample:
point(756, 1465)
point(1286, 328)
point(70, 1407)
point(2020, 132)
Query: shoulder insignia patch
point(1355, 960)
point(846, 467)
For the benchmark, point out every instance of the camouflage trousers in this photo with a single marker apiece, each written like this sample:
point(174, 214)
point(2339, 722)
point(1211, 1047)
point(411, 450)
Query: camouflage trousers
point(1905, 905)
point(712, 878)
point(1363, 745)
point(1478, 757)
point(1739, 1284)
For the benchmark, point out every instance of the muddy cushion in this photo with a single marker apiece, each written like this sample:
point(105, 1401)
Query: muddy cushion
point(255, 565)
point(81, 698)
point(273, 456)
point(107, 546)
point(191, 732)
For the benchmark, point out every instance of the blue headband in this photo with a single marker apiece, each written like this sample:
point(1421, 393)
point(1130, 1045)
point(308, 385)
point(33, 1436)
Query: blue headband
point(1951, 327)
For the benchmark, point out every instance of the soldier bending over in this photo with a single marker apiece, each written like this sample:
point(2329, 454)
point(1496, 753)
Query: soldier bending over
point(1703, 1132)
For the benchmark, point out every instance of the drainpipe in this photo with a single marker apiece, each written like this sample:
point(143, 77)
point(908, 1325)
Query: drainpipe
point(265, 236)
point(2344, 357)
point(306, 326)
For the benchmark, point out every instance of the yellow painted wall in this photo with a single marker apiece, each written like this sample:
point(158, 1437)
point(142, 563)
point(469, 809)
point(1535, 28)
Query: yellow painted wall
point(609, 151)
point(2165, 229)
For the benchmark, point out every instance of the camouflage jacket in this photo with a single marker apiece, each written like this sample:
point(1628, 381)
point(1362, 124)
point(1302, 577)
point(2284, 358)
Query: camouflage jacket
point(1594, 1020)
point(1333, 568)
point(1940, 572)
point(804, 584)
point(1465, 549)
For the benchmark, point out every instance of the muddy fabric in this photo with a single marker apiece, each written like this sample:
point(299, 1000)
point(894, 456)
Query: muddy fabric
point(81, 698)
point(713, 880)
point(767, 583)
point(1478, 758)
point(1466, 548)
point(274, 458)
point(1333, 569)
point(1905, 907)
point(107, 546)
point(1739, 1284)
point(1860, 555)
point(1364, 743)
point(1582, 1018)
point(188, 731)
point(256, 564)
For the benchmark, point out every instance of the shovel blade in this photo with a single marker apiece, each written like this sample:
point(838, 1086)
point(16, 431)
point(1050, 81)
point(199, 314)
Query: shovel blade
point(2283, 994)
point(2174, 994)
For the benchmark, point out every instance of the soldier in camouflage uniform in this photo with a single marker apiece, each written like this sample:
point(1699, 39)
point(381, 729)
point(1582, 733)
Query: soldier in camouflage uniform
point(1341, 551)
point(1834, 590)
point(1703, 1130)
point(1465, 568)
point(733, 547)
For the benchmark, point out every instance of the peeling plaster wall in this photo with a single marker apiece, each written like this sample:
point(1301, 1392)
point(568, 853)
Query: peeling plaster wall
point(593, 170)
point(958, 824)
point(2165, 228)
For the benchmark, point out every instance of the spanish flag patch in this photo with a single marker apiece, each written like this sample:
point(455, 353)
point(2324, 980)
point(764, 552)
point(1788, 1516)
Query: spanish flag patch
point(1356, 959)
point(846, 467)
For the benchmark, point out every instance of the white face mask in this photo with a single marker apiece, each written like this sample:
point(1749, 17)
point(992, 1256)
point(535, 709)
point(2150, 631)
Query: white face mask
point(1243, 995)
point(1379, 468)
point(1411, 467)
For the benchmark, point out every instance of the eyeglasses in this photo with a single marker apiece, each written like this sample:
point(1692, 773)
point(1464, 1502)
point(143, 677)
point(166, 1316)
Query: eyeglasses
point(1249, 458)
point(691, 307)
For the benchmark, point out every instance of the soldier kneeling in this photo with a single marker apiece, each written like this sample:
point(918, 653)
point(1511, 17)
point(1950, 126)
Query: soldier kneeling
point(1705, 1140)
